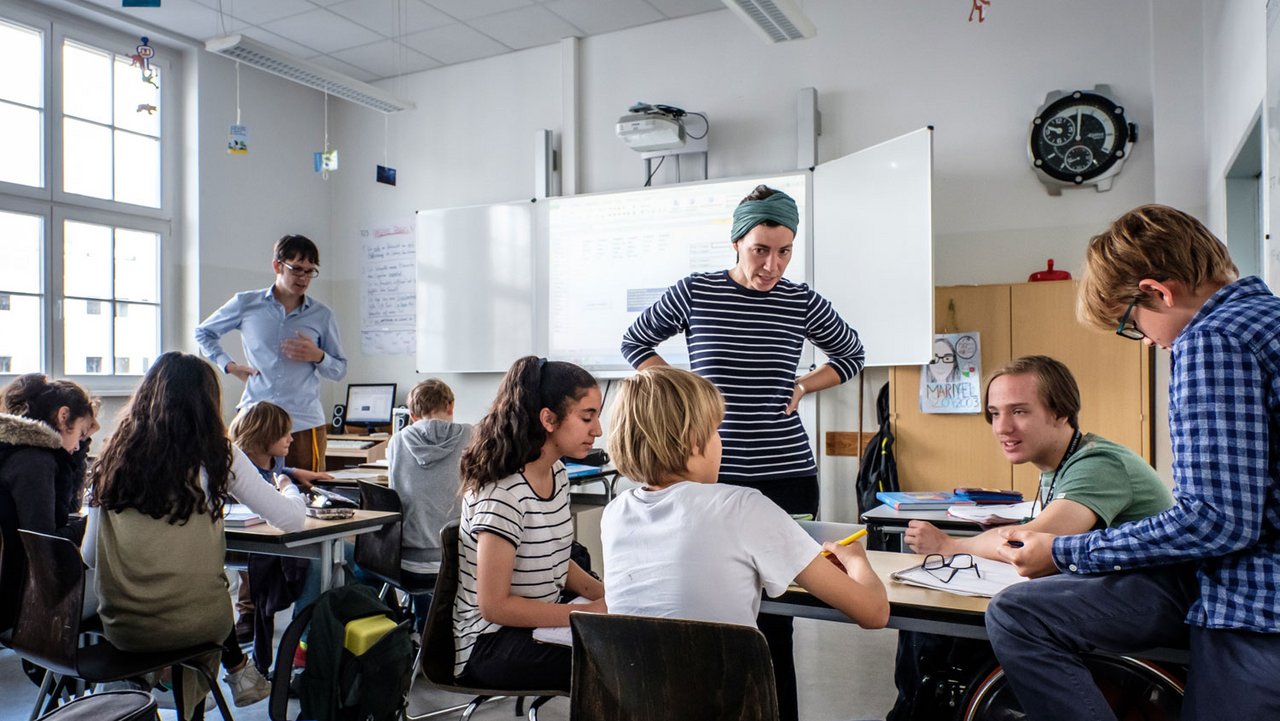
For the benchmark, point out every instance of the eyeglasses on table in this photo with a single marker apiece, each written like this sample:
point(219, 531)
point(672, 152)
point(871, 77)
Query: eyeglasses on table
point(939, 566)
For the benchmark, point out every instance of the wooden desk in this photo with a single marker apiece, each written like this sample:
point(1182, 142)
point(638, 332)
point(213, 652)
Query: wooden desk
point(315, 541)
point(911, 608)
point(344, 457)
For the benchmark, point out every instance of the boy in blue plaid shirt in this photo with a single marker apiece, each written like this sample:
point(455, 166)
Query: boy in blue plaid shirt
point(1204, 575)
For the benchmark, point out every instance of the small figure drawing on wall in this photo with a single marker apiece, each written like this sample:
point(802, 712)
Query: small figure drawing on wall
point(950, 382)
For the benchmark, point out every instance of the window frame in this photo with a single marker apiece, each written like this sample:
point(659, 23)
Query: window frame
point(57, 206)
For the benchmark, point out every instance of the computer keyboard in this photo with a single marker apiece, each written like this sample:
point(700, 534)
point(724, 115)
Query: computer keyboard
point(346, 445)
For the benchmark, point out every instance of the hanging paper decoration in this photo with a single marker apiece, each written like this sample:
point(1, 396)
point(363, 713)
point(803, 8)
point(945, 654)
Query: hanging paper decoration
point(147, 108)
point(325, 160)
point(142, 59)
point(979, 8)
point(238, 140)
point(385, 173)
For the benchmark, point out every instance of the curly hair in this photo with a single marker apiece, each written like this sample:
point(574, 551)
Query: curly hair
point(511, 433)
point(170, 430)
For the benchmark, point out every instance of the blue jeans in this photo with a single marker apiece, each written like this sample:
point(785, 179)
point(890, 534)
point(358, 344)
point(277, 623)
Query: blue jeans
point(1039, 628)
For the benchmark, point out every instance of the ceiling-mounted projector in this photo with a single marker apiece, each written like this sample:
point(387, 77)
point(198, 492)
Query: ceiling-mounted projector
point(645, 128)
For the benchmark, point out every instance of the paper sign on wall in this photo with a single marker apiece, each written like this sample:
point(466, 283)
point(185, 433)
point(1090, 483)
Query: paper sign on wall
point(951, 383)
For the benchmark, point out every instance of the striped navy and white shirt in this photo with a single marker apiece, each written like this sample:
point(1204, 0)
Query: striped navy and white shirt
point(748, 342)
point(1224, 420)
point(541, 529)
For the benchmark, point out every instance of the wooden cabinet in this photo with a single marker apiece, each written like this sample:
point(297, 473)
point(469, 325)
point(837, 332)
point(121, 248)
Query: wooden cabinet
point(1114, 375)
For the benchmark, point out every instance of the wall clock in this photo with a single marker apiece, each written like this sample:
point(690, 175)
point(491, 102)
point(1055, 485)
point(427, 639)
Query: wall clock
point(1080, 138)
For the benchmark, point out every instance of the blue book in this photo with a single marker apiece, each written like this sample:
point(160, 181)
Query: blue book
point(921, 500)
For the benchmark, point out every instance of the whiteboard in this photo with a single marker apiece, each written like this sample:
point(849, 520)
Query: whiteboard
point(612, 255)
point(873, 246)
point(475, 287)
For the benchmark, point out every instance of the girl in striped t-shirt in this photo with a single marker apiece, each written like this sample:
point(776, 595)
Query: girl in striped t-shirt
point(516, 530)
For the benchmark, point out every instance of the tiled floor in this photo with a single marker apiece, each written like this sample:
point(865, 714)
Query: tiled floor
point(845, 673)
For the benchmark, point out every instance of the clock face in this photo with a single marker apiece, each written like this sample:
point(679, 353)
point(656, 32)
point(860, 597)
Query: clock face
point(1079, 137)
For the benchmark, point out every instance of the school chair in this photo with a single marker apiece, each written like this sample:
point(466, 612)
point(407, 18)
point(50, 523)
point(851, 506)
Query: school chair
point(48, 630)
point(107, 706)
point(436, 655)
point(638, 668)
point(378, 553)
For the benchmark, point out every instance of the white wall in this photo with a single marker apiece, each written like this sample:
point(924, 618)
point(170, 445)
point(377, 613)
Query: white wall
point(244, 204)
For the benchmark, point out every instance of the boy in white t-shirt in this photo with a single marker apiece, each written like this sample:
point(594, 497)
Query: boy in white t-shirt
point(684, 546)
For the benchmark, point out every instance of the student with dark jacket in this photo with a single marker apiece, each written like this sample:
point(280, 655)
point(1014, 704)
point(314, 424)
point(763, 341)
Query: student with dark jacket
point(44, 440)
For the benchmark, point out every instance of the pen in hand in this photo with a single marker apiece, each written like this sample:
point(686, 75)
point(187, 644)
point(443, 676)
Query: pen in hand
point(847, 541)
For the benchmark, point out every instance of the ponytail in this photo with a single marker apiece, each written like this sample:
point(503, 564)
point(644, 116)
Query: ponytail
point(511, 433)
point(36, 397)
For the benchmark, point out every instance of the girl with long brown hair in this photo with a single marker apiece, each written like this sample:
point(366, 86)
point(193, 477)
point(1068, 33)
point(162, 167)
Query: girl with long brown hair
point(155, 531)
point(516, 530)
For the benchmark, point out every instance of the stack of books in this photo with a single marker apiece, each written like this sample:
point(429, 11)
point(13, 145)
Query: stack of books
point(989, 496)
point(238, 515)
point(921, 500)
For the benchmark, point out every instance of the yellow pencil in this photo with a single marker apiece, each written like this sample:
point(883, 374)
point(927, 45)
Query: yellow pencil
point(847, 541)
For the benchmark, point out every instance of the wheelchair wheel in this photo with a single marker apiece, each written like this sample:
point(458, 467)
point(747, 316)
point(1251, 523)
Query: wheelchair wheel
point(1136, 690)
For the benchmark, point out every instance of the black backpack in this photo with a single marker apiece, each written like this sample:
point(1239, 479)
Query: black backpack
point(877, 471)
point(339, 686)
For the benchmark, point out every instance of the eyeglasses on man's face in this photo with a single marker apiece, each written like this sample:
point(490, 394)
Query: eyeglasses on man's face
point(298, 271)
point(939, 566)
point(1128, 328)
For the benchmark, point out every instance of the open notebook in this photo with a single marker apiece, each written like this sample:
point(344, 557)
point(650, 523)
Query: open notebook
point(995, 577)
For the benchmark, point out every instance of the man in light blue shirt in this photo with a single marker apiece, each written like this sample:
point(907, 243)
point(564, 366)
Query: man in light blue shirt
point(290, 341)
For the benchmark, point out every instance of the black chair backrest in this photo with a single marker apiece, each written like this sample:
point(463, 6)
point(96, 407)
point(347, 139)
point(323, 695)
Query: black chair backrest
point(636, 668)
point(379, 551)
point(48, 629)
point(437, 635)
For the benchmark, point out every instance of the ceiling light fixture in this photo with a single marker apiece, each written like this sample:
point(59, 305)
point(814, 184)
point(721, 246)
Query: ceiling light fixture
point(306, 72)
point(777, 20)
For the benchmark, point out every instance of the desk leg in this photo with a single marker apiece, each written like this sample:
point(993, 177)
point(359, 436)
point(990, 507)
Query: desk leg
point(326, 566)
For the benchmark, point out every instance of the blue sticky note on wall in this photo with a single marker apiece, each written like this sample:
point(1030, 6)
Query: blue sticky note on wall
point(140, 3)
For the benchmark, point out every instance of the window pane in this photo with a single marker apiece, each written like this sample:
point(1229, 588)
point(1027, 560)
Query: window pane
point(133, 93)
point(86, 158)
point(137, 169)
point(86, 82)
point(86, 329)
point(137, 338)
point(22, 268)
point(23, 130)
point(137, 266)
point(23, 48)
point(86, 260)
point(21, 337)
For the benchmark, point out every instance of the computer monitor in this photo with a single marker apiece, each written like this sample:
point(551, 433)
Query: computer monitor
point(370, 404)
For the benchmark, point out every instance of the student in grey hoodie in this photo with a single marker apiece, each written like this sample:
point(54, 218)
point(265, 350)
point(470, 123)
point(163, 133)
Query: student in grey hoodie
point(423, 461)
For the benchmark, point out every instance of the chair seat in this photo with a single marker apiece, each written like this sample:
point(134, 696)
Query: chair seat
point(102, 662)
point(106, 706)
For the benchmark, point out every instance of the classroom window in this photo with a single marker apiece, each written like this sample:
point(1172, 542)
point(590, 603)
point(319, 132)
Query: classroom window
point(111, 309)
point(84, 198)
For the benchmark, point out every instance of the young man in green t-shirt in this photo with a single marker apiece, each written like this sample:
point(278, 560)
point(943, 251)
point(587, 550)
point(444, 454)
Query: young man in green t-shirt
point(1086, 481)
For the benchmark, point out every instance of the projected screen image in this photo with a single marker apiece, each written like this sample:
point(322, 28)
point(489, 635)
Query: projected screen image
point(612, 255)
point(370, 404)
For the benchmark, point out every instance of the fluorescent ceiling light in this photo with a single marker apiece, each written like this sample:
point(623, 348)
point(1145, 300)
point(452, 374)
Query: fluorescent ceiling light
point(777, 20)
point(305, 72)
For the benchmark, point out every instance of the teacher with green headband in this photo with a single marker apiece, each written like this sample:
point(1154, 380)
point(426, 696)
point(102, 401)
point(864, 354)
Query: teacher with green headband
point(745, 328)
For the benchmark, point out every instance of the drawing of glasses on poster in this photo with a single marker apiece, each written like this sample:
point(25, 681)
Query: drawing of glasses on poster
point(951, 382)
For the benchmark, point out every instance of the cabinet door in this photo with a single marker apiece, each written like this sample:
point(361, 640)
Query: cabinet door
point(937, 451)
point(1112, 372)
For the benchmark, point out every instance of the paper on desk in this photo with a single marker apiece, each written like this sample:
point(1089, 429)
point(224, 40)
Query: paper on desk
point(357, 474)
point(558, 635)
point(996, 576)
point(993, 515)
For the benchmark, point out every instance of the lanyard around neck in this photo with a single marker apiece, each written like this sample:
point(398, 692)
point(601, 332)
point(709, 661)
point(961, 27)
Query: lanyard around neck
point(1041, 502)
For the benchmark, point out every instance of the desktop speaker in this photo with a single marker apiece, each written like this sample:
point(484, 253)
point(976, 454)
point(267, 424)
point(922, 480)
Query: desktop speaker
point(399, 419)
point(339, 421)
